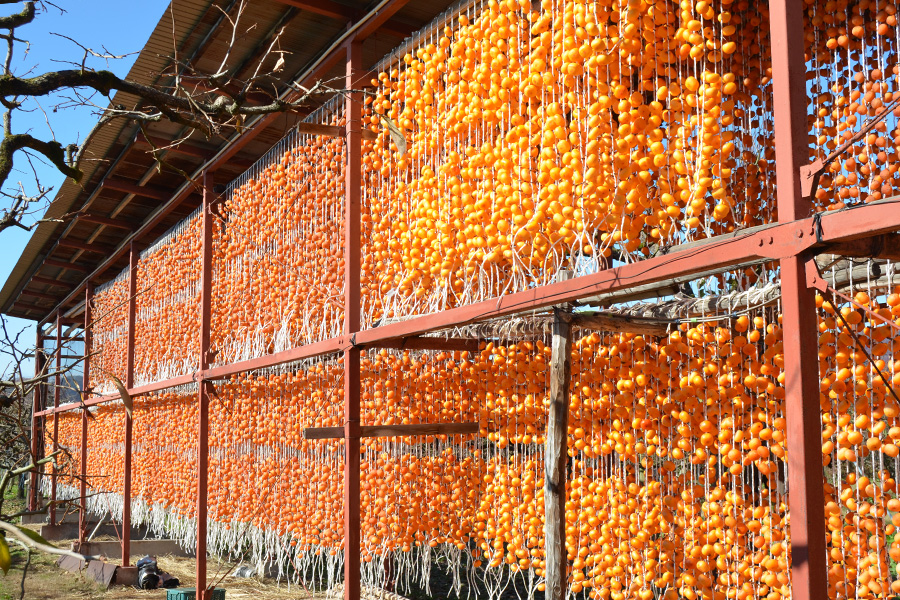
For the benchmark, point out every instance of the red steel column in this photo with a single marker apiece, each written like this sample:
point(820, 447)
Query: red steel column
point(37, 431)
point(809, 572)
point(56, 382)
point(204, 389)
point(85, 376)
point(133, 257)
point(352, 262)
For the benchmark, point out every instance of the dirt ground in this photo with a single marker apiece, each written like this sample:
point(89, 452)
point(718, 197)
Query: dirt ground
point(45, 581)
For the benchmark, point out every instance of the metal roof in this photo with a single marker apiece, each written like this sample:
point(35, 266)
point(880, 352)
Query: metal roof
point(123, 190)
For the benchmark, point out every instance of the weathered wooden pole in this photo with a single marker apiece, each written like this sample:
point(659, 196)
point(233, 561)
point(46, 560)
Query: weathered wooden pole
point(556, 456)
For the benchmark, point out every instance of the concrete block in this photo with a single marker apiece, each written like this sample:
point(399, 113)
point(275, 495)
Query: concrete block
point(34, 519)
point(70, 563)
point(101, 572)
point(126, 576)
point(139, 548)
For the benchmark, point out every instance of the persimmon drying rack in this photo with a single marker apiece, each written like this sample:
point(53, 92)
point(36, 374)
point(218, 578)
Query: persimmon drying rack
point(794, 241)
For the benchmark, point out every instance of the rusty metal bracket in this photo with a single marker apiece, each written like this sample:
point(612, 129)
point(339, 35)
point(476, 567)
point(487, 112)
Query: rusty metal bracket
point(810, 174)
point(814, 278)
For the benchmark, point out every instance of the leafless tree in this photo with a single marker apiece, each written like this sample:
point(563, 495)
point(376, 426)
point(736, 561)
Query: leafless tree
point(208, 103)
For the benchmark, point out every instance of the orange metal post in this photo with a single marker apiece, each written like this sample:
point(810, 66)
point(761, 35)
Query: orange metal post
point(129, 383)
point(37, 430)
point(809, 569)
point(204, 390)
point(352, 200)
point(56, 382)
point(85, 374)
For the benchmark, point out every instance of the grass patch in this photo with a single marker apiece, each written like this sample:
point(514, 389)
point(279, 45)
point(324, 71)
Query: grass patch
point(12, 504)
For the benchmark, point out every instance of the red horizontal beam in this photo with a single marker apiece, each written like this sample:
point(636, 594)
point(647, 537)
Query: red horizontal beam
point(430, 343)
point(140, 390)
point(377, 431)
point(328, 346)
point(153, 193)
point(109, 222)
point(64, 264)
point(87, 247)
point(771, 242)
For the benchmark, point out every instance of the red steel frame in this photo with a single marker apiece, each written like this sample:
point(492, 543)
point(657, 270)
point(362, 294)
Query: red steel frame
point(37, 397)
point(793, 241)
point(205, 386)
point(85, 374)
point(352, 262)
point(809, 565)
point(129, 383)
point(57, 361)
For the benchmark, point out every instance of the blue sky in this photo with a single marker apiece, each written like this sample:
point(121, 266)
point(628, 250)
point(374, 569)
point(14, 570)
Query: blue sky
point(122, 27)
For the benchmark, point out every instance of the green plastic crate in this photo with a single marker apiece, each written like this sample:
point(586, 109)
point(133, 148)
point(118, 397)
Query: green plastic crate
point(191, 593)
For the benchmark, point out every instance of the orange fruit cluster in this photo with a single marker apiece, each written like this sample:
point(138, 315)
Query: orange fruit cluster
point(167, 305)
point(539, 138)
point(278, 264)
point(109, 333)
point(68, 464)
point(163, 467)
point(852, 49)
point(677, 451)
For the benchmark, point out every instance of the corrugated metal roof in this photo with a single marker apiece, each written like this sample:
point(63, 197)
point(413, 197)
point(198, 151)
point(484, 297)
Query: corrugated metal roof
point(147, 69)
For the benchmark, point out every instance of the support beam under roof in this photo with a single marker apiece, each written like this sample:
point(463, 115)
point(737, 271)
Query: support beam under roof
point(98, 248)
point(108, 221)
point(50, 281)
point(138, 190)
point(62, 264)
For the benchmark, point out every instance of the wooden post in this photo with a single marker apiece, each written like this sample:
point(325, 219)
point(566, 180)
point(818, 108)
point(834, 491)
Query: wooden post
point(352, 225)
point(556, 456)
point(203, 391)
